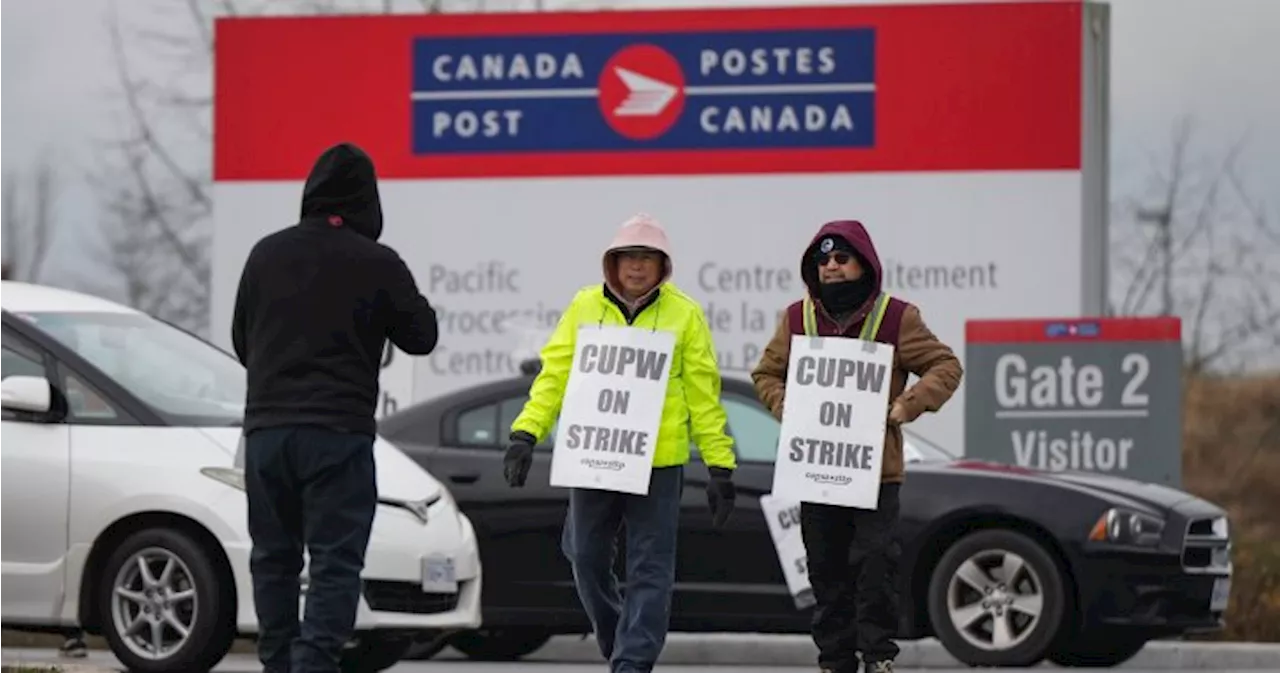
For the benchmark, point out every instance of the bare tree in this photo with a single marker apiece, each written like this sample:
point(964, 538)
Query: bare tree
point(156, 184)
point(29, 219)
point(1204, 246)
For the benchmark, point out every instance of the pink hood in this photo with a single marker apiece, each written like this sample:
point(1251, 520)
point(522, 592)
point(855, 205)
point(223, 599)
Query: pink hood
point(641, 231)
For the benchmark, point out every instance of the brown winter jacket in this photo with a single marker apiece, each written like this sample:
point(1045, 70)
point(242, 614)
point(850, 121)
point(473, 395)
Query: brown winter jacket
point(917, 350)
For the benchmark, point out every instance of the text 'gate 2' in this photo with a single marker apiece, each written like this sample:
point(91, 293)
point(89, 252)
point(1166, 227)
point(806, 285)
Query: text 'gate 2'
point(1093, 395)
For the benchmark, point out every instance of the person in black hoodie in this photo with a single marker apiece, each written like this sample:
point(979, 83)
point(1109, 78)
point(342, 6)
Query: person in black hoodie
point(316, 304)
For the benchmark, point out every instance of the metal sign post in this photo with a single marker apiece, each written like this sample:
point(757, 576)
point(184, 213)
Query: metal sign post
point(1093, 395)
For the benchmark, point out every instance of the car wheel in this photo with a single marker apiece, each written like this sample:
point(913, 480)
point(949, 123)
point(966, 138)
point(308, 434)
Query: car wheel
point(374, 652)
point(426, 644)
point(996, 598)
point(1096, 650)
point(499, 644)
point(165, 605)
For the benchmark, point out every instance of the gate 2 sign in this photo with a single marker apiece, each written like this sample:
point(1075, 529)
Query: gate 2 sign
point(1093, 395)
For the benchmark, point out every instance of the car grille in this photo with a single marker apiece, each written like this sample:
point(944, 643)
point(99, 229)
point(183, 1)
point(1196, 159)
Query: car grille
point(1207, 546)
point(384, 596)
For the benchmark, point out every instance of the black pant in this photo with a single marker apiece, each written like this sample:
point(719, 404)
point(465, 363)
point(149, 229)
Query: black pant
point(853, 559)
point(316, 487)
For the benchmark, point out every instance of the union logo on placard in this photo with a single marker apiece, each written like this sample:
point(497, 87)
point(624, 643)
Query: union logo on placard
point(641, 91)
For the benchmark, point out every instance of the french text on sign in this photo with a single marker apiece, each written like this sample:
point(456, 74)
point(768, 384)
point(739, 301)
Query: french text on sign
point(831, 443)
point(612, 409)
point(668, 90)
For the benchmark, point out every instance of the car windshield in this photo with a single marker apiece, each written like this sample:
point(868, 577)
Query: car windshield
point(184, 379)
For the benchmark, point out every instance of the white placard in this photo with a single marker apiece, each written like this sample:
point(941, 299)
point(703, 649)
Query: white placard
point(612, 409)
point(783, 517)
point(833, 421)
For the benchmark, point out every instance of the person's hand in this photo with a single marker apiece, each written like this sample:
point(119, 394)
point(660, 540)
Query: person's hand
point(897, 413)
point(518, 459)
point(720, 495)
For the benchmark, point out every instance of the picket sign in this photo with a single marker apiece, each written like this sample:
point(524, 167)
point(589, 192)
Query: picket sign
point(836, 408)
point(783, 517)
point(612, 409)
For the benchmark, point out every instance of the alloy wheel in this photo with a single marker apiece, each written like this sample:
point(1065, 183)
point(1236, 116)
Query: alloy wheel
point(995, 599)
point(154, 604)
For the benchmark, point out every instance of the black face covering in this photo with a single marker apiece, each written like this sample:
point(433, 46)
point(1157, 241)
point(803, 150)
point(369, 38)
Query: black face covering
point(847, 295)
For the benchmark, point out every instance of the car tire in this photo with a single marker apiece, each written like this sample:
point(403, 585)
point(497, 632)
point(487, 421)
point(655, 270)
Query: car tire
point(499, 644)
point(1091, 649)
point(970, 595)
point(155, 584)
point(374, 652)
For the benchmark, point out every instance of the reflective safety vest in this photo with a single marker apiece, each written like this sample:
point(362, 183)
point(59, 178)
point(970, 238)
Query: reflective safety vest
point(870, 324)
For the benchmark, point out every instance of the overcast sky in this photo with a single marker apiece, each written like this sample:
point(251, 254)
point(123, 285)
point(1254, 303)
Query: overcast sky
point(1169, 57)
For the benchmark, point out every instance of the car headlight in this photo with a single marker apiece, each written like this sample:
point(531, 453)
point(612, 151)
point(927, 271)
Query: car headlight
point(1126, 527)
point(228, 475)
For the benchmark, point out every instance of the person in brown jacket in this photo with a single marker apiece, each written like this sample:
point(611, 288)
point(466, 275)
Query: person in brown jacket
point(853, 554)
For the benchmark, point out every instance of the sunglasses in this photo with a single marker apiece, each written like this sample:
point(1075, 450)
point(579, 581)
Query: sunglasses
point(841, 258)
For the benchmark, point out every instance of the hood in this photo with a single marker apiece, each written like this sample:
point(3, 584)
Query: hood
point(1115, 489)
point(641, 231)
point(857, 236)
point(343, 184)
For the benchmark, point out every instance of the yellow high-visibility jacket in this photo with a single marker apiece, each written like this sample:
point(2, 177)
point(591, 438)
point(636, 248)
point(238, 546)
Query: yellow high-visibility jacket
point(692, 410)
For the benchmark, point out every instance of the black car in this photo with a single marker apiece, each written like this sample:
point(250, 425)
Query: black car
point(1080, 568)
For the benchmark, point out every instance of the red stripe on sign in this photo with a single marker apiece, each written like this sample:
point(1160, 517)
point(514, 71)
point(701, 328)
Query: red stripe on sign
point(959, 87)
point(1048, 330)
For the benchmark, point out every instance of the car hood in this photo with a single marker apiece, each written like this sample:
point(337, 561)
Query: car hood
point(399, 477)
point(1155, 495)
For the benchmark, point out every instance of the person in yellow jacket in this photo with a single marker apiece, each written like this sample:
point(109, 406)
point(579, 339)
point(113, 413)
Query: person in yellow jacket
point(637, 290)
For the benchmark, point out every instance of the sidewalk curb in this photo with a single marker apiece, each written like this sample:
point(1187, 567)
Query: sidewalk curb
point(758, 649)
point(52, 666)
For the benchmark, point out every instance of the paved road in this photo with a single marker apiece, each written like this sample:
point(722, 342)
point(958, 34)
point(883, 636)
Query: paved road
point(240, 663)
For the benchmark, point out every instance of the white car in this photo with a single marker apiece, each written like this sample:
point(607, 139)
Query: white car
point(124, 510)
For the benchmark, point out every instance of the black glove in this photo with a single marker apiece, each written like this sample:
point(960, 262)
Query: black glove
point(720, 495)
point(518, 459)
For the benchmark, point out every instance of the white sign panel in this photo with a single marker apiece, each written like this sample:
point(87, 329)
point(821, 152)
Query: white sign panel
point(833, 421)
point(612, 409)
point(509, 157)
point(783, 517)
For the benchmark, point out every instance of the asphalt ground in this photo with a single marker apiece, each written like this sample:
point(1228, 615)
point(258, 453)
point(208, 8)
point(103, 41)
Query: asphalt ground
point(448, 662)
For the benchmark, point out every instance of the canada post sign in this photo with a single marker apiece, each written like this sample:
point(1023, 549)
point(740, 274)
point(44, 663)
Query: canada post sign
point(1093, 395)
point(789, 89)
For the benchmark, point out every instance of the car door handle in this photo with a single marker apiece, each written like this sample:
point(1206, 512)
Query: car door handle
point(464, 477)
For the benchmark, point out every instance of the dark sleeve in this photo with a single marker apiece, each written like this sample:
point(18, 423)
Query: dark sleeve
point(412, 324)
point(239, 316)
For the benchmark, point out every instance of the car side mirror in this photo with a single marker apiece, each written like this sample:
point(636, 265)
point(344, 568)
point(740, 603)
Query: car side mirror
point(31, 394)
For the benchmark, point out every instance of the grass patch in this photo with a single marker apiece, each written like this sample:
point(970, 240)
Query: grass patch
point(1231, 456)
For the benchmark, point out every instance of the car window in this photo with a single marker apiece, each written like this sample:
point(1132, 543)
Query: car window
point(489, 425)
point(20, 359)
point(478, 426)
point(755, 431)
point(85, 404)
point(184, 379)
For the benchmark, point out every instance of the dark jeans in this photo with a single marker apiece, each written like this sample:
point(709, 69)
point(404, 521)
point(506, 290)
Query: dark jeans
point(315, 487)
point(853, 557)
point(630, 633)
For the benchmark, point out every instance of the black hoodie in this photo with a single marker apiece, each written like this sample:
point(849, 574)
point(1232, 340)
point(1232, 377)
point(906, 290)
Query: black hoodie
point(317, 302)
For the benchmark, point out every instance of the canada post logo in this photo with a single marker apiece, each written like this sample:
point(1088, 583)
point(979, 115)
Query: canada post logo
point(678, 91)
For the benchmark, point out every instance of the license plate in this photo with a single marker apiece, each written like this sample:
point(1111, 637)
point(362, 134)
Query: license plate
point(1221, 594)
point(439, 575)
